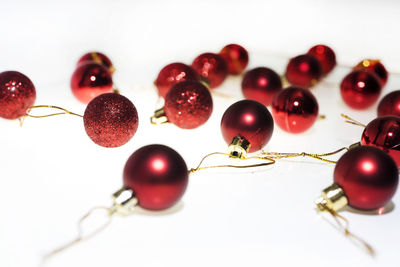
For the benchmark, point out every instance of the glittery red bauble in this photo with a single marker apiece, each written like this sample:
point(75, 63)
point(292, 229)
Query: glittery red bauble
point(368, 177)
point(188, 104)
point(304, 70)
point(173, 74)
point(211, 67)
point(90, 80)
point(17, 93)
point(384, 133)
point(390, 104)
point(158, 175)
point(98, 58)
point(250, 120)
point(261, 84)
point(236, 57)
point(374, 66)
point(326, 57)
point(110, 120)
point(360, 89)
point(295, 109)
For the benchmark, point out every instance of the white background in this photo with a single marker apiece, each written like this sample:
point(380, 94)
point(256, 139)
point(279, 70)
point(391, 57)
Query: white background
point(51, 173)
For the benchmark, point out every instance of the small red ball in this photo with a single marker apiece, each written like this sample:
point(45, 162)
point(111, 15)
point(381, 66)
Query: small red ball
point(376, 67)
point(368, 177)
point(17, 93)
point(212, 68)
point(384, 133)
point(295, 109)
point(188, 104)
point(173, 74)
point(261, 84)
point(158, 175)
point(90, 80)
point(360, 89)
point(390, 104)
point(326, 57)
point(236, 58)
point(110, 120)
point(97, 57)
point(249, 119)
point(304, 70)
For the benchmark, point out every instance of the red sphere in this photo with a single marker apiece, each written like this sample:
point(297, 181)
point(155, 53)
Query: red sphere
point(17, 93)
point(374, 66)
point(250, 120)
point(368, 177)
point(390, 104)
point(295, 109)
point(97, 57)
point(326, 57)
point(261, 84)
point(384, 133)
point(158, 175)
point(211, 67)
point(236, 58)
point(188, 104)
point(110, 120)
point(304, 70)
point(90, 80)
point(360, 89)
point(173, 74)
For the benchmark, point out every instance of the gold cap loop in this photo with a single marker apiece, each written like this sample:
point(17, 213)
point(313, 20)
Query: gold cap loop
point(332, 197)
point(124, 201)
point(239, 147)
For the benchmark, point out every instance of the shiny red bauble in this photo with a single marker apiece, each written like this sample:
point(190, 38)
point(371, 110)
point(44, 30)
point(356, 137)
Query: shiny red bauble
point(17, 93)
point(368, 177)
point(110, 120)
point(97, 57)
point(360, 89)
point(173, 74)
point(90, 80)
point(326, 57)
point(376, 67)
point(304, 70)
point(390, 104)
point(261, 84)
point(384, 133)
point(188, 104)
point(236, 57)
point(212, 68)
point(295, 109)
point(158, 175)
point(250, 120)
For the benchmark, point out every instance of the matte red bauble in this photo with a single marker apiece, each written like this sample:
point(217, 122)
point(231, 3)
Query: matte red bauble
point(326, 57)
point(249, 119)
point(376, 67)
point(97, 57)
point(212, 68)
point(390, 104)
point(90, 80)
point(236, 57)
point(368, 177)
point(158, 175)
point(173, 74)
point(261, 84)
point(17, 93)
point(110, 120)
point(295, 109)
point(304, 70)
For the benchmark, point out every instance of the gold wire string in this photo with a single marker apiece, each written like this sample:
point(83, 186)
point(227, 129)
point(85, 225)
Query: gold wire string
point(352, 121)
point(64, 111)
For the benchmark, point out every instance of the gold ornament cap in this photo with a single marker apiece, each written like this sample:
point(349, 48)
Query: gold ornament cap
point(332, 197)
point(239, 147)
point(124, 201)
point(159, 117)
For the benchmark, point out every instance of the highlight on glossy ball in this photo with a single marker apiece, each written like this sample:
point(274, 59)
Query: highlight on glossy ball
point(304, 70)
point(110, 120)
point(390, 104)
point(368, 177)
point(97, 57)
point(158, 175)
point(17, 93)
point(212, 68)
point(249, 119)
point(295, 109)
point(326, 57)
point(376, 67)
point(236, 57)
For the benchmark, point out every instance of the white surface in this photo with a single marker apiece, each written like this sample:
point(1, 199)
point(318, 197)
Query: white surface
point(51, 173)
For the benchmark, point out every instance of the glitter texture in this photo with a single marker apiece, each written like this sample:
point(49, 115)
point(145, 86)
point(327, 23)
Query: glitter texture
point(212, 68)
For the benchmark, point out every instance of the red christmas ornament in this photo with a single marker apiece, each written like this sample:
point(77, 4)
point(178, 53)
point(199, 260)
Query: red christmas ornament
point(261, 84)
point(374, 66)
point(17, 93)
point(326, 57)
point(360, 89)
point(90, 80)
point(212, 68)
point(173, 74)
point(249, 119)
point(110, 120)
point(304, 70)
point(295, 109)
point(236, 58)
point(390, 104)
point(97, 57)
